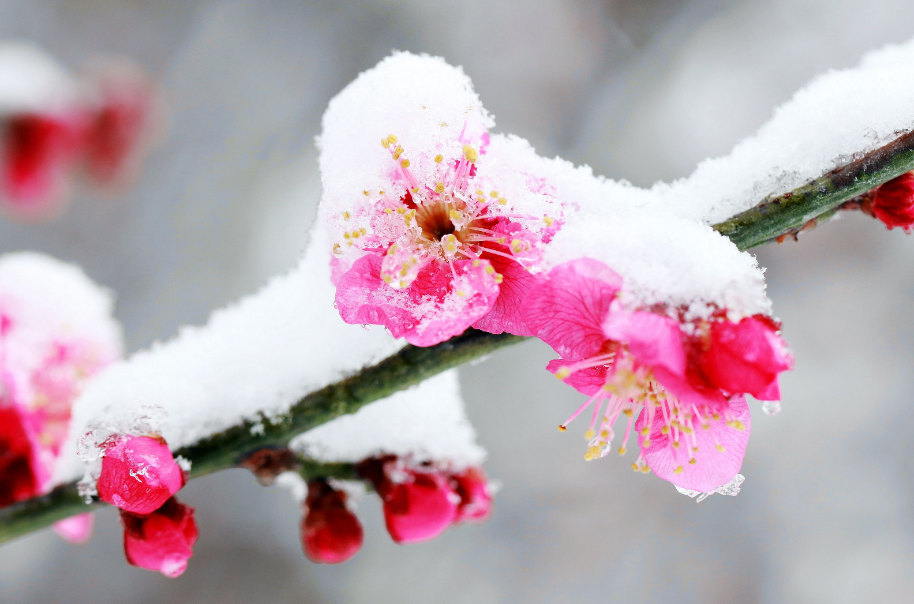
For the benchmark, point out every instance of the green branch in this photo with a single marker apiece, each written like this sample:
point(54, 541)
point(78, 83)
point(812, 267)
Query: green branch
point(770, 219)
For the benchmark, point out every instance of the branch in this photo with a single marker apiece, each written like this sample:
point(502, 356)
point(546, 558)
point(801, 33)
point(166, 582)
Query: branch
point(770, 219)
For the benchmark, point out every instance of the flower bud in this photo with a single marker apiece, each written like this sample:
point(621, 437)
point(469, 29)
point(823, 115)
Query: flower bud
point(475, 499)
point(893, 202)
point(330, 532)
point(161, 541)
point(746, 357)
point(418, 508)
point(17, 478)
point(139, 474)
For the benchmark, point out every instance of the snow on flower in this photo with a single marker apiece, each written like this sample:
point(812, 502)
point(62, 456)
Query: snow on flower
point(56, 332)
point(138, 474)
point(678, 379)
point(435, 230)
point(52, 123)
point(330, 531)
point(161, 541)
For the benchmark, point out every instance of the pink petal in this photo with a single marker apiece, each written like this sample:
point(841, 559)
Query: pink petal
point(76, 529)
point(420, 508)
point(139, 474)
point(364, 299)
point(714, 468)
point(566, 308)
point(475, 498)
point(163, 540)
point(506, 314)
point(585, 381)
point(654, 340)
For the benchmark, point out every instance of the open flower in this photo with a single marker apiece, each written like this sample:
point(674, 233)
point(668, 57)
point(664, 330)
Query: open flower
point(139, 473)
point(330, 532)
point(436, 229)
point(163, 540)
point(644, 366)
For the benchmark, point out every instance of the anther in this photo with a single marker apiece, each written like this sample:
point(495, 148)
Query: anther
point(677, 470)
point(563, 372)
point(494, 193)
point(589, 434)
point(404, 163)
point(549, 221)
point(392, 138)
point(562, 428)
point(693, 461)
point(438, 158)
point(470, 153)
point(721, 448)
point(439, 188)
point(502, 201)
point(622, 450)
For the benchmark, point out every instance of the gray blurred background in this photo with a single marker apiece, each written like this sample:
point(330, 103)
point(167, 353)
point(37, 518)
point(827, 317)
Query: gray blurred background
point(639, 89)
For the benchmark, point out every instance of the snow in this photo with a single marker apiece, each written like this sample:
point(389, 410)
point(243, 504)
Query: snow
point(261, 355)
point(31, 81)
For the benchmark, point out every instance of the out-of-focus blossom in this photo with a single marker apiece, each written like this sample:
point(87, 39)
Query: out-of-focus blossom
point(76, 529)
point(330, 532)
point(56, 332)
point(52, 122)
point(139, 473)
point(680, 384)
point(163, 540)
point(437, 228)
point(893, 203)
point(475, 495)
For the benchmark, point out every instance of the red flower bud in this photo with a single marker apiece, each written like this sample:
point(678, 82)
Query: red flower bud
point(893, 202)
point(419, 507)
point(330, 532)
point(17, 480)
point(139, 474)
point(746, 358)
point(161, 541)
point(475, 498)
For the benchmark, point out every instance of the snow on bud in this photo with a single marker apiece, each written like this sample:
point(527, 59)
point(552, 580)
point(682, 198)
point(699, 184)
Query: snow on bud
point(161, 541)
point(330, 532)
point(139, 473)
point(475, 495)
point(893, 203)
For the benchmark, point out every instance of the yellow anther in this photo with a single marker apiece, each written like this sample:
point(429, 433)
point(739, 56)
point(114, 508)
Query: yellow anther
point(693, 461)
point(380, 192)
point(337, 249)
point(480, 192)
point(622, 450)
point(392, 138)
point(438, 158)
point(501, 240)
point(517, 246)
point(549, 221)
point(454, 215)
point(366, 193)
point(645, 431)
point(461, 293)
point(627, 412)
point(346, 215)
point(405, 164)
point(721, 448)
point(476, 263)
point(398, 152)
point(449, 243)
point(439, 188)
point(346, 235)
point(562, 372)
point(589, 434)
point(562, 428)
point(635, 467)
point(706, 426)
point(470, 153)
point(665, 430)
point(675, 444)
point(502, 201)
point(494, 193)
point(604, 434)
point(498, 277)
point(356, 234)
point(588, 456)
point(738, 425)
point(489, 269)
point(401, 210)
point(645, 470)
point(387, 279)
point(678, 470)
point(715, 416)
point(385, 142)
point(646, 443)
point(414, 189)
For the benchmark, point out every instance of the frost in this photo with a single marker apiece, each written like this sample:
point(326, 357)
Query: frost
point(731, 489)
point(259, 356)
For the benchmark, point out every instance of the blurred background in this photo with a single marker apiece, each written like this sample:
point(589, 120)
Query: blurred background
point(638, 89)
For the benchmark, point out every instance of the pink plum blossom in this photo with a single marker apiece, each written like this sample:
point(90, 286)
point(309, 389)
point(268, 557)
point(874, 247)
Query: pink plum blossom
point(692, 427)
point(331, 533)
point(439, 229)
point(161, 541)
point(139, 473)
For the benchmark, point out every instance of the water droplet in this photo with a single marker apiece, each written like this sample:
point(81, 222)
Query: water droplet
point(771, 407)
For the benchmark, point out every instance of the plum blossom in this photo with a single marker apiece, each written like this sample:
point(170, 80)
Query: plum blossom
point(139, 473)
point(679, 383)
point(56, 333)
point(436, 230)
point(330, 532)
point(161, 541)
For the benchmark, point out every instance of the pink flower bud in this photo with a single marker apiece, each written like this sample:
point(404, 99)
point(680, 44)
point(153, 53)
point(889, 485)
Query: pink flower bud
point(893, 202)
point(17, 478)
point(161, 541)
point(475, 498)
point(419, 508)
point(330, 532)
point(139, 474)
point(746, 357)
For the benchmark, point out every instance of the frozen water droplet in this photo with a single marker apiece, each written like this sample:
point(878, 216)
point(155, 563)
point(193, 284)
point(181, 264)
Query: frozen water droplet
point(771, 407)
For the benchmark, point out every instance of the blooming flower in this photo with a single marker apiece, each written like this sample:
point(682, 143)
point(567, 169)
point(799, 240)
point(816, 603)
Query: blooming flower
point(692, 428)
point(139, 474)
point(56, 332)
point(162, 540)
point(437, 229)
point(418, 504)
point(330, 532)
point(893, 203)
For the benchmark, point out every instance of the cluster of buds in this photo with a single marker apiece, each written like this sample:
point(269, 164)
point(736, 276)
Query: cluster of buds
point(54, 126)
point(140, 476)
point(419, 503)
